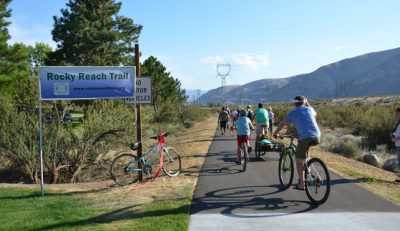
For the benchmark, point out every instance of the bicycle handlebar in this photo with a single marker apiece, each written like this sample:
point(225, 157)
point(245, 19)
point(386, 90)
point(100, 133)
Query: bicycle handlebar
point(157, 136)
point(282, 136)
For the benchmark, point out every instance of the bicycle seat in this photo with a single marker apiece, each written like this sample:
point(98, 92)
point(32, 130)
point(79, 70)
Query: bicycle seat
point(158, 136)
point(135, 146)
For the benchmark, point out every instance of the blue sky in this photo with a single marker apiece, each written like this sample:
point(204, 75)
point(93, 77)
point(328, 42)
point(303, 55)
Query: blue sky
point(259, 38)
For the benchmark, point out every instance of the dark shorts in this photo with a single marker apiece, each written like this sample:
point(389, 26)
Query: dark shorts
point(222, 124)
point(242, 139)
point(270, 125)
point(304, 145)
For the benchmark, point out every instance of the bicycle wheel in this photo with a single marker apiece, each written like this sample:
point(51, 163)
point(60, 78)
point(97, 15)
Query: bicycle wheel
point(257, 150)
point(286, 169)
point(245, 156)
point(172, 165)
point(318, 181)
point(125, 169)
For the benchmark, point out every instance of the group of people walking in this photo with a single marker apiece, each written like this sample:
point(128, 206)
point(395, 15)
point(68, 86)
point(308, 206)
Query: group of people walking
point(227, 118)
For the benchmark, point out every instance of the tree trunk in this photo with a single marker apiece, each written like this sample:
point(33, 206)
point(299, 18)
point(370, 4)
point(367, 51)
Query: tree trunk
point(31, 173)
point(75, 174)
point(34, 177)
point(54, 175)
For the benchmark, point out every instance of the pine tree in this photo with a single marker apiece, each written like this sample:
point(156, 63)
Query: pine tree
point(92, 33)
point(14, 59)
point(165, 86)
point(4, 36)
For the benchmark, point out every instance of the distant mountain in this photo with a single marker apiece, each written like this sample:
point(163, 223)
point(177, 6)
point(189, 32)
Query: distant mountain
point(375, 73)
point(215, 95)
point(194, 94)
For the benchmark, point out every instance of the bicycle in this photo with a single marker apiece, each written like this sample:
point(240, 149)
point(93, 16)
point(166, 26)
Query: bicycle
point(127, 167)
point(313, 168)
point(244, 153)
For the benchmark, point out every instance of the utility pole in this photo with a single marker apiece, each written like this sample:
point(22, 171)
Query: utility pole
point(223, 70)
point(138, 110)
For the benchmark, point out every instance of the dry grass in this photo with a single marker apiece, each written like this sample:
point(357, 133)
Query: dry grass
point(374, 179)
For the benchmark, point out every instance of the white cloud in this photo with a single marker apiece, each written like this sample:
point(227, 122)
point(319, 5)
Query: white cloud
point(249, 61)
point(30, 35)
point(321, 57)
point(338, 48)
point(214, 59)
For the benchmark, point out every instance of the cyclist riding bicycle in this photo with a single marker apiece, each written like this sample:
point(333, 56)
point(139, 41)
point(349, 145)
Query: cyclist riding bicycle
point(244, 128)
point(303, 117)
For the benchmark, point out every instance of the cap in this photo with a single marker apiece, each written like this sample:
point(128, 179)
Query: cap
point(298, 99)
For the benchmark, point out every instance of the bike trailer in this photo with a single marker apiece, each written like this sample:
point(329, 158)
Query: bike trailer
point(268, 146)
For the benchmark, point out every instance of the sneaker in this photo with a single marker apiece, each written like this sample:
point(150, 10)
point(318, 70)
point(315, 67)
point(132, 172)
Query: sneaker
point(299, 186)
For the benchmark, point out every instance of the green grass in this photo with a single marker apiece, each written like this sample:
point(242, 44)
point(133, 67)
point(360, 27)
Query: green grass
point(27, 210)
point(23, 209)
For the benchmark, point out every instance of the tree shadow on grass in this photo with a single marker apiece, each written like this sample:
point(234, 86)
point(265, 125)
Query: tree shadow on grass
point(53, 194)
point(125, 213)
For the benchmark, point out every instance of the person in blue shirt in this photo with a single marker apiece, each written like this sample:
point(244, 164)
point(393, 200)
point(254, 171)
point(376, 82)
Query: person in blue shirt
point(303, 117)
point(244, 128)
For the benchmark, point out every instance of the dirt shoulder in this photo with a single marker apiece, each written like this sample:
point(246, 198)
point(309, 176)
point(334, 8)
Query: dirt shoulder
point(192, 146)
point(374, 179)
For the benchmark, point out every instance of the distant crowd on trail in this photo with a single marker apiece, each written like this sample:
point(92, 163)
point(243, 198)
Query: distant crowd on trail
point(227, 118)
point(241, 121)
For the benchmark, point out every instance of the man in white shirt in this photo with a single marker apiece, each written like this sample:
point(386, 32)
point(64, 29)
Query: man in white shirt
point(396, 137)
point(234, 116)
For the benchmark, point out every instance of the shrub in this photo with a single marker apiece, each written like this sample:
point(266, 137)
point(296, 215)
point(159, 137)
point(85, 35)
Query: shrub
point(166, 113)
point(177, 112)
point(189, 114)
point(347, 149)
point(374, 122)
point(351, 139)
point(328, 138)
point(19, 135)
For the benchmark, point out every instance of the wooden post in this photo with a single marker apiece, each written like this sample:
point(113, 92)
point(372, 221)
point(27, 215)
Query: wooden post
point(138, 110)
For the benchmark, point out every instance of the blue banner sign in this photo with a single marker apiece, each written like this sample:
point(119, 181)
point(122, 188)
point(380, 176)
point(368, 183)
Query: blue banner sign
point(68, 83)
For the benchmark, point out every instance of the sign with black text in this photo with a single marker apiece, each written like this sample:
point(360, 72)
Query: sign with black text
point(68, 83)
point(144, 91)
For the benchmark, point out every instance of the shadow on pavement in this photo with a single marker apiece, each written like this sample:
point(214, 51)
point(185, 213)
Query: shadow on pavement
point(249, 202)
point(212, 169)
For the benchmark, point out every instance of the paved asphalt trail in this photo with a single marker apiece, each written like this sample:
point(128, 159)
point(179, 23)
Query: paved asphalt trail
point(228, 199)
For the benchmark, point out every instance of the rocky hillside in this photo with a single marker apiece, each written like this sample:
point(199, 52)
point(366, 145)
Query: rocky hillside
point(375, 73)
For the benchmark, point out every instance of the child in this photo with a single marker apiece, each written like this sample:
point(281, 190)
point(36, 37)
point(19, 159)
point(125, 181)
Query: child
point(244, 128)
